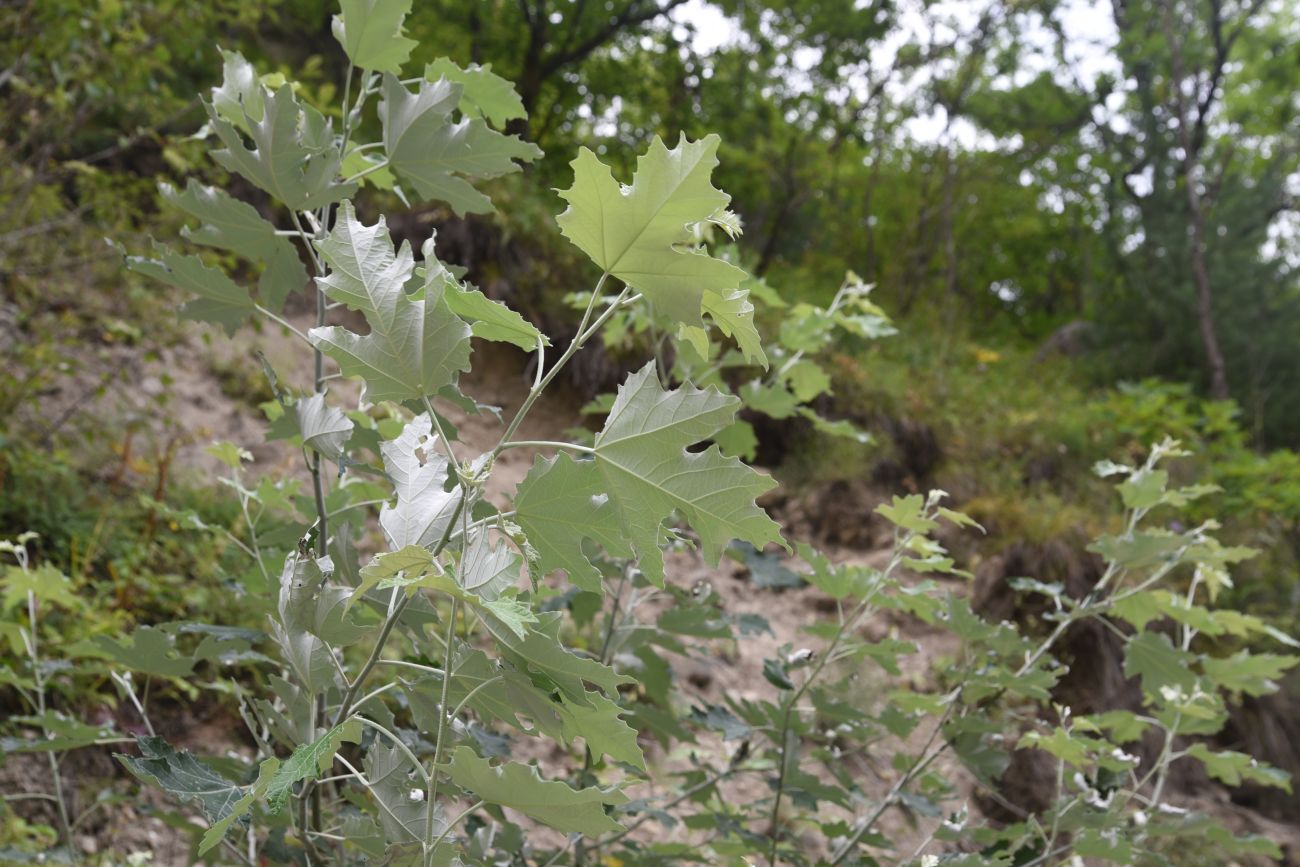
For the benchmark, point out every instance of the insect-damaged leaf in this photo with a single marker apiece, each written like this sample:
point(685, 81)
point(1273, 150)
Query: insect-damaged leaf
point(642, 463)
point(419, 473)
point(637, 233)
point(188, 779)
point(561, 503)
point(519, 787)
point(416, 346)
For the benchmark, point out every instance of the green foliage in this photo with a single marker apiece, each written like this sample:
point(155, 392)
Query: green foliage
point(387, 695)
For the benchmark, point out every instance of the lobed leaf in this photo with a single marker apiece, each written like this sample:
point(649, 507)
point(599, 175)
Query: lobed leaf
point(637, 233)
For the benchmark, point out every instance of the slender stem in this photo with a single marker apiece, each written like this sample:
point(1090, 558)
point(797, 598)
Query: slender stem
point(544, 379)
point(442, 727)
point(433, 847)
point(428, 669)
point(473, 692)
point(345, 706)
point(284, 323)
point(382, 164)
point(405, 750)
point(685, 795)
point(547, 444)
point(363, 504)
point(847, 626)
point(56, 776)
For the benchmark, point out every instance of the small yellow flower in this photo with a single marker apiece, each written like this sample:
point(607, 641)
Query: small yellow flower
point(987, 356)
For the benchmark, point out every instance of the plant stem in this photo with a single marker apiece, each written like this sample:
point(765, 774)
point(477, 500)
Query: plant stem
point(547, 444)
point(442, 727)
point(56, 776)
point(544, 379)
point(284, 323)
point(345, 706)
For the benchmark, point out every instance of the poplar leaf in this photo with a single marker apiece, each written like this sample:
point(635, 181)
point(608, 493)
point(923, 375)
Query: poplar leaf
point(488, 319)
point(488, 569)
point(182, 775)
point(229, 224)
point(419, 473)
point(294, 155)
point(579, 811)
point(1235, 768)
point(540, 650)
point(484, 91)
point(435, 154)
point(324, 428)
point(638, 233)
point(310, 761)
point(415, 347)
point(644, 466)
point(733, 313)
point(1153, 658)
point(559, 504)
point(394, 781)
point(217, 830)
point(370, 32)
point(238, 98)
point(220, 300)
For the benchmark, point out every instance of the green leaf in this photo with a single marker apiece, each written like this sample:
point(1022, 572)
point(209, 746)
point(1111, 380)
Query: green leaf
point(1143, 489)
point(771, 399)
point(1139, 549)
point(182, 775)
point(598, 723)
point(642, 459)
point(1152, 657)
point(1233, 768)
point(217, 830)
point(229, 224)
point(435, 155)
point(907, 513)
point(46, 583)
point(540, 651)
point(487, 569)
point(406, 810)
point(1254, 674)
point(239, 97)
point(807, 380)
point(150, 651)
point(415, 347)
point(637, 233)
point(559, 504)
point(519, 787)
point(370, 32)
point(489, 320)
point(57, 733)
point(294, 155)
point(310, 761)
point(419, 473)
point(484, 91)
point(738, 440)
point(733, 313)
point(324, 428)
point(220, 299)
